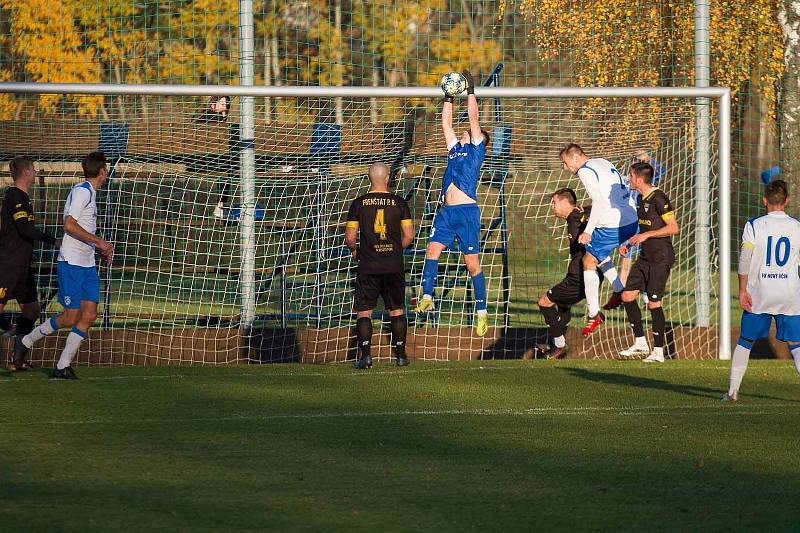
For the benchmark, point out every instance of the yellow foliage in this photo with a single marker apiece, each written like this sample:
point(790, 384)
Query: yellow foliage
point(44, 33)
point(651, 43)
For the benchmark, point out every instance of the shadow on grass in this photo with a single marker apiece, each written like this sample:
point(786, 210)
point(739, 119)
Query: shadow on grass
point(612, 378)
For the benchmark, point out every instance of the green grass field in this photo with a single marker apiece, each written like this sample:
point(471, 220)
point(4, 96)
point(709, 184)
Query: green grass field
point(518, 445)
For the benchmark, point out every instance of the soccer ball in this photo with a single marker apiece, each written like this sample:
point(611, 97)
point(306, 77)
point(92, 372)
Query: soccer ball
point(453, 83)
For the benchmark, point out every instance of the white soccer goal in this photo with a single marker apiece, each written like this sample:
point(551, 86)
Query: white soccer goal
point(271, 279)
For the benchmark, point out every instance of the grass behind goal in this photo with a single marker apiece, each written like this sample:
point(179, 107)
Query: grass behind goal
point(570, 446)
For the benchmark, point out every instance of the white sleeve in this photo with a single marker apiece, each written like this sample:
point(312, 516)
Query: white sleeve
point(451, 142)
point(746, 251)
point(79, 198)
point(591, 181)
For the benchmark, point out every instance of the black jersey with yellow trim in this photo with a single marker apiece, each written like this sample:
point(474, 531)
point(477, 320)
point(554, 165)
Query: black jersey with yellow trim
point(576, 224)
point(379, 217)
point(17, 231)
point(654, 210)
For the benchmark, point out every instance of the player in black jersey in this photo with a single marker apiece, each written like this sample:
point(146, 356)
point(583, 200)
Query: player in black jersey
point(657, 224)
point(379, 227)
point(556, 304)
point(17, 237)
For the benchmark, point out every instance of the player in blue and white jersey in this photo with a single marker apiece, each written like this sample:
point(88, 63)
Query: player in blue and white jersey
point(613, 221)
point(769, 282)
point(460, 217)
point(78, 281)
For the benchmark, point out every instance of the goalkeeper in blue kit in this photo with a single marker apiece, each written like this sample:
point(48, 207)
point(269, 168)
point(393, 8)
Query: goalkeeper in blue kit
point(460, 217)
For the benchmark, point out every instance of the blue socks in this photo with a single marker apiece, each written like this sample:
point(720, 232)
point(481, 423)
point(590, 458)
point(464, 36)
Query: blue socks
point(479, 287)
point(429, 271)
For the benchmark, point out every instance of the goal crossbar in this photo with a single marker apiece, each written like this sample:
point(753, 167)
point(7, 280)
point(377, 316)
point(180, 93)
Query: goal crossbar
point(704, 95)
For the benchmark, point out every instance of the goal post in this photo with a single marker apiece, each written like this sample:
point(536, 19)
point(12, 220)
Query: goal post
point(708, 247)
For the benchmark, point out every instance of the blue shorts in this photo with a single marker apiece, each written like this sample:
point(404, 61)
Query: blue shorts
point(756, 326)
point(458, 222)
point(77, 284)
point(606, 240)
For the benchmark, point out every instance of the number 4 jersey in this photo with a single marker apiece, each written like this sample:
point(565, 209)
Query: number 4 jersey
point(773, 279)
point(379, 216)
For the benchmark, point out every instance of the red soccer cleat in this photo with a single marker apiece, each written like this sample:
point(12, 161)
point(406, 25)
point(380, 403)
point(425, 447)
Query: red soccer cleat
point(593, 323)
point(614, 301)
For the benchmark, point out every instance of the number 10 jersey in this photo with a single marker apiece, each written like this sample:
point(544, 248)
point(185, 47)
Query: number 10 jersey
point(773, 279)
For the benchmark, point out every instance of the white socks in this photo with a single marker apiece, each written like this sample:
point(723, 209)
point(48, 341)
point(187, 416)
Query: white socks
point(560, 341)
point(42, 330)
point(481, 312)
point(739, 360)
point(796, 357)
point(591, 285)
point(74, 340)
point(610, 273)
point(658, 350)
point(640, 342)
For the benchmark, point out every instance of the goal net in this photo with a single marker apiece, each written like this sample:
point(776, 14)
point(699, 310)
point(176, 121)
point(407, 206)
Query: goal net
point(229, 249)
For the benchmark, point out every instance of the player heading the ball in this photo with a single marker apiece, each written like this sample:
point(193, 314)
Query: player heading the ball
point(612, 221)
point(769, 282)
point(459, 218)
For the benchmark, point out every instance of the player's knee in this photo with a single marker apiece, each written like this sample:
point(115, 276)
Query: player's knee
point(68, 319)
point(653, 304)
point(589, 262)
point(629, 296)
point(544, 301)
point(88, 316)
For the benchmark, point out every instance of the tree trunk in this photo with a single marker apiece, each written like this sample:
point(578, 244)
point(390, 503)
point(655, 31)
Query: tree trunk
point(267, 77)
point(337, 22)
point(789, 18)
point(373, 102)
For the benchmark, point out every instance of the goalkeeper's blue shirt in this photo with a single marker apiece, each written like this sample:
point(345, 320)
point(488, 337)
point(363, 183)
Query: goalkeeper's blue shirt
point(463, 168)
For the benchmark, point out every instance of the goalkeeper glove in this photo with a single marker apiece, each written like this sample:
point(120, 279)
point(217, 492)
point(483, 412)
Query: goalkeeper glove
point(470, 82)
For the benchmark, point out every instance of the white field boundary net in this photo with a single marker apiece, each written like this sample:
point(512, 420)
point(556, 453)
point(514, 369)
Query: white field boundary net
point(273, 281)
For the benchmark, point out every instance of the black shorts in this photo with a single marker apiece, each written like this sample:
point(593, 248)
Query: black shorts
point(390, 287)
point(567, 292)
point(17, 283)
point(648, 277)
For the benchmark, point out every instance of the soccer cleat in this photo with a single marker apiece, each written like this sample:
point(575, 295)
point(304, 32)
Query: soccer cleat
point(11, 367)
point(553, 352)
point(592, 323)
point(654, 358)
point(613, 302)
point(403, 361)
point(26, 365)
point(20, 351)
point(635, 351)
point(425, 305)
point(482, 325)
point(66, 373)
point(363, 363)
point(731, 397)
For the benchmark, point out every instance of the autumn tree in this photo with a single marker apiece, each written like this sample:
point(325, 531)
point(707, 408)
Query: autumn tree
point(44, 35)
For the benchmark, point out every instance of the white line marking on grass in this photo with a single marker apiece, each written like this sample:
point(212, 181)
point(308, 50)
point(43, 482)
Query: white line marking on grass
point(646, 410)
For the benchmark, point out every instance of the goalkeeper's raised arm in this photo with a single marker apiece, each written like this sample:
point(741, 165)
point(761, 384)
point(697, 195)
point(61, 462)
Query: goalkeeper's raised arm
point(459, 218)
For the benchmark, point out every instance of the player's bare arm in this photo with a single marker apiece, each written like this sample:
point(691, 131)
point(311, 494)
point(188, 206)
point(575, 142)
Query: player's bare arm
point(75, 230)
point(669, 230)
point(745, 299)
point(447, 121)
point(408, 234)
point(350, 239)
point(472, 109)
